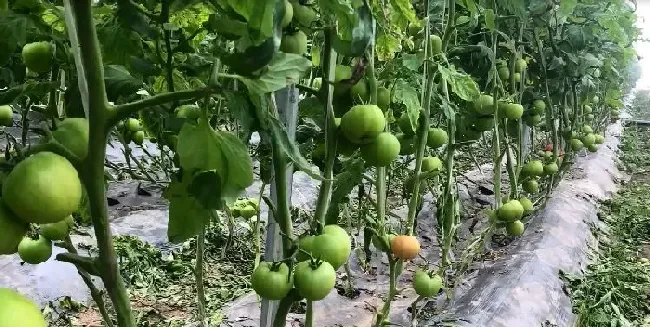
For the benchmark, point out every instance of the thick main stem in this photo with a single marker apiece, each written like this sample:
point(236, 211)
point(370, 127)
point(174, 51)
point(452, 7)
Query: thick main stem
point(93, 167)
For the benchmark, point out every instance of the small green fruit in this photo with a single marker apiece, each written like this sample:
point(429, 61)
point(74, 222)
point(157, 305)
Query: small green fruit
point(55, 231)
point(527, 204)
point(576, 145)
point(511, 211)
point(382, 151)
point(484, 104)
point(37, 56)
point(404, 123)
point(520, 65)
point(592, 148)
point(431, 164)
point(539, 107)
point(383, 98)
point(363, 123)
point(515, 228)
point(6, 116)
point(551, 168)
point(533, 168)
point(437, 137)
point(530, 186)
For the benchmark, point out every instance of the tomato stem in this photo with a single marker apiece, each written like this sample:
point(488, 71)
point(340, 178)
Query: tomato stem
point(92, 172)
point(198, 273)
point(309, 315)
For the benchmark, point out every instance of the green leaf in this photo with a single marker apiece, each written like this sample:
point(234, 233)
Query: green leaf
point(13, 29)
point(408, 96)
point(186, 214)
point(489, 19)
point(353, 40)
point(284, 69)
point(119, 82)
point(343, 184)
point(387, 46)
point(206, 188)
point(290, 149)
point(342, 11)
point(461, 84)
point(412, 61)
point(405, 9)
point(200, 149)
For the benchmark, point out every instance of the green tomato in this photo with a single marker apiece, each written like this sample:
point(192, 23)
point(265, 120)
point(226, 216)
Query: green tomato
point(383, 98)
point(531, 186)
point(425, 285)
point(138, 137)
point(288, 14)
point(431, 164)
point(382, 151)
point(331, 246)
point(526, 204)
point(37, 56)
point(504, 73)
point(363, 123)
point(599, 139)
point(188, 111)
point(576, 145)
point(435, 42)
point(406, 144)
point(587, 129)
point(589, 139)
point(304, 15)
point(592, 148)
point(294, 43)
point(17, 310)
point(437, 137)
point(404, 123)
point(73, 133)
point(132, 125)
point(314, 283)
point(248, 211)
point(595, 99)
point(272, 284)
point(517, 77)
point(515, 228)
point(533, 168)
point(359, 92)
point(510, 211)
point(35, 251)
point(12, 230)
point(532, 120)
point(55, 231)
point(484, 124)
point(539, 107)
point(484, 104)
point(587, 109)
point(551, 168)
point(520, 65)
point(6, 116)
point(513, 111)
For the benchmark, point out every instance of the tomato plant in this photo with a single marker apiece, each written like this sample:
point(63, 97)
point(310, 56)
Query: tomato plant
point(378, 95)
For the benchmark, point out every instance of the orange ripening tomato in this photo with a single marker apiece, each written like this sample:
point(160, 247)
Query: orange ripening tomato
point(405, 247)
point(548, 147)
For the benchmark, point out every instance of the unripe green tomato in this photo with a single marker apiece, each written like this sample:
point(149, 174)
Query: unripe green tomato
point(304, 15)
point(294, 43)
point(288, 14)
point(37, 56)
point(484, 124)
point(513, 111)
point(517, 77)
point(531, 186)
point(425, 285)
point(515, 228)
point(589, 139)
point(592, 147)
point(550, 169)
point(504, 73)
point(132, 125)
point(576, 145)
point(272, 284)
point(431, 164)
point(520, 65)
point(404, 123)
point(363, 123)
point(382, 152)
point(6, 116)
point(599, 139)
point(55, 231)
point(527, 205)
point(511, 211)
point(406, 144)
point(360, 92)
point(539, 107)
point(533, 168)
point(532, 120)
point(435, 42)
point(35, 251)
point(383, 98)
point(138, 137)
point(587, 129)
point(484, 104)
point(587, 109)
point(437, 137)
point(317, 83)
